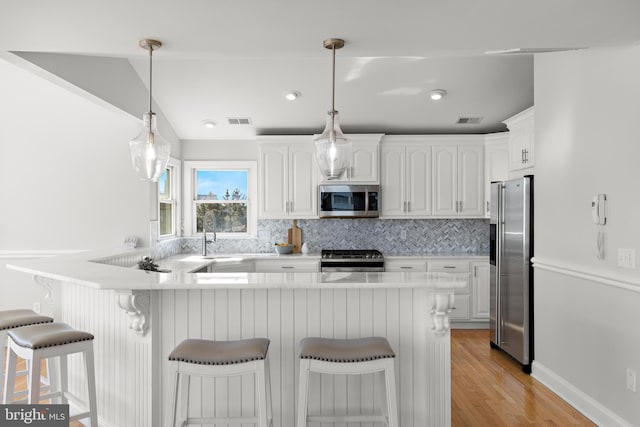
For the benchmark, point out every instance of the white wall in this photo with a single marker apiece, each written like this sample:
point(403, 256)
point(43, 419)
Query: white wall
point(67, 181)
point(588, 310)
point(220, 150)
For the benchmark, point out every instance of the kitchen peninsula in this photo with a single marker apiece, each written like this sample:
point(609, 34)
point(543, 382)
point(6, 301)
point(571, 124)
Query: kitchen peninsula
point(139, 316)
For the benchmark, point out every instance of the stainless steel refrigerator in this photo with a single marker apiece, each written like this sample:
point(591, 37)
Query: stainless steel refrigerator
point(511, 281)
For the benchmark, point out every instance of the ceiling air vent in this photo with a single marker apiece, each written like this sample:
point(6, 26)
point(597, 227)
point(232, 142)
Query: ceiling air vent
point(239, 120)
point(468, 120)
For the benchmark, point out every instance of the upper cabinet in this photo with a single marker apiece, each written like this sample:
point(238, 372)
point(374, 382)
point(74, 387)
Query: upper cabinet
point(496, 163)
point(458, 177)
point(288, 172)
point(405, 178)
point(521, 141)
point(365, 159)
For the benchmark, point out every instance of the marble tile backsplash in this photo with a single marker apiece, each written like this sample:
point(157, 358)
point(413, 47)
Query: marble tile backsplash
point(421, 236)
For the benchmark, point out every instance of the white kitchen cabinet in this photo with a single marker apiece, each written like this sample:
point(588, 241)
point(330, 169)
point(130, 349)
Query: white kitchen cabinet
point(480, 290)
point(521, 140)
point(288, 185)
point(405, 178)
point(471, 302)
point(496, 163)
point(405, 265)
point(365, 160)
point(287, 265)
point(458, 180)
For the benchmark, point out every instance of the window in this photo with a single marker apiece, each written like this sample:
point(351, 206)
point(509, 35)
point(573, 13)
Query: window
point(222, 196)
point(167, 200)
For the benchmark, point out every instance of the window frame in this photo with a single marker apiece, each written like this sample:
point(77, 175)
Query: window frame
point(190, 198)
point(174, 187)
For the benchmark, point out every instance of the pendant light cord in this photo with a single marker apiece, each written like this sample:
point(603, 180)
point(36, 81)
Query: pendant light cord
point(333, 88)
point(150, 78)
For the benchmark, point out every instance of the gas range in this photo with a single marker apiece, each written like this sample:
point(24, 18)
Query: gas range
point(351, 260)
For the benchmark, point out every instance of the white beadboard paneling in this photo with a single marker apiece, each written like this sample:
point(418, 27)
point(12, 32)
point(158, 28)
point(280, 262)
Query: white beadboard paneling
point(125, 361)
point(287, 316)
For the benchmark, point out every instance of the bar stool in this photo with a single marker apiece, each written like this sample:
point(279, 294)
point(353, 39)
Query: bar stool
point(222, 359)
point(11, 319)
point(347, 357)
point(36, 342)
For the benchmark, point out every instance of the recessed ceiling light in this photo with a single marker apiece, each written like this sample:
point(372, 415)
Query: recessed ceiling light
point(437, 94)
point(209, 124)
point(292, 95)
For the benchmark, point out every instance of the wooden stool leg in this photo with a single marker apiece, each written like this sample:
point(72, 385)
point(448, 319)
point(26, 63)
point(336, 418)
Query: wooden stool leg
point(303, 392)
point(390, 387)
point(268, 381)
point(34, 364)
point(91, 383)
point(176, 391)
point(60, 378)
point(10, 376)
point(261, 394)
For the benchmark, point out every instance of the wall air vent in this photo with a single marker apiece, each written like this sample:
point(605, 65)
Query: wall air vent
point(469, 120)
point(239, 120)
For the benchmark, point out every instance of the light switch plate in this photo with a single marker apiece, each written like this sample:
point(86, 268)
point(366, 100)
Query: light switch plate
point(626, 258)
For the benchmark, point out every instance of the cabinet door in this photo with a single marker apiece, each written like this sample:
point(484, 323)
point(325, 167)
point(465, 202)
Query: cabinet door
point(364, 161)
point(496, 168)
point(392, 190)
point(471, 180)
point(418, 178)
point(521, 143)
point(303, 191)
point(445, 179)
point(274, 185)
point(480, 290)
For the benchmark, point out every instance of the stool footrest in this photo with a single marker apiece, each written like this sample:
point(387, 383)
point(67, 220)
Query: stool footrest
point(221, 420)
point(348, 418)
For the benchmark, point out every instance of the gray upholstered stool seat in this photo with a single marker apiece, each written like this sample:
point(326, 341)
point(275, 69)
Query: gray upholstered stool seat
point(345, 351)
point(45, 341)
point(221, 359)
point(47, 335)
point(10, 319)
point(205, 352)
point(358, 356)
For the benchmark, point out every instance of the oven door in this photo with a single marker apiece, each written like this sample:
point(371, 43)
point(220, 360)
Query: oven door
point(351, 266)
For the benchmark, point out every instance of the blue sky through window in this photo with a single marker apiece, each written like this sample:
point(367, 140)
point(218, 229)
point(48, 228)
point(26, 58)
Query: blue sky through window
point(217, 182)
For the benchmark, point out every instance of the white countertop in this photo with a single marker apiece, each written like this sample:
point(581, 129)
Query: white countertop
point(79, 269)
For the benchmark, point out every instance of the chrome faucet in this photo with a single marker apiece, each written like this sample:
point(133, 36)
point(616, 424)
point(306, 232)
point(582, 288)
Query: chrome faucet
point(209, 217)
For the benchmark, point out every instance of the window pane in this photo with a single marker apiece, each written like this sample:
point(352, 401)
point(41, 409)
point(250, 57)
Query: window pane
point(229, 217)
point(164, 185)
point(221, 185)
point(166, 219)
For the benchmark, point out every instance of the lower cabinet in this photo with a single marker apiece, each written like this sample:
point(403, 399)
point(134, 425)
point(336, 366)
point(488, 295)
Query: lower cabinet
point(405, 265)
point(471, 304)
point(480, 289)
point(287, 266)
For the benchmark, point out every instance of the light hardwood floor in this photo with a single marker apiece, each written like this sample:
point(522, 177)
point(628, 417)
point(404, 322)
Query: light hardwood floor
point(488, 388)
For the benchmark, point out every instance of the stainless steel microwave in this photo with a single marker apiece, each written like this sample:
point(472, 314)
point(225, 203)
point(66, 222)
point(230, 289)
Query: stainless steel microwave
point(349, 201)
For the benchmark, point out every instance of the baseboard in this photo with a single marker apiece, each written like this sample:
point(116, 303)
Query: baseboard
point(584, 403)
point(456, 324)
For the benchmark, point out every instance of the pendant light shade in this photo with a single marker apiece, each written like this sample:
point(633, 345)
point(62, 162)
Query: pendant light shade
point(333, 149)
point(149, 151)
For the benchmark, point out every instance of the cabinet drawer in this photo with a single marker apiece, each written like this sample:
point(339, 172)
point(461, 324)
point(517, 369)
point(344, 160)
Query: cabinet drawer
point(395, 265)
point(460, 308)
point(277, 266)
point(448, 266)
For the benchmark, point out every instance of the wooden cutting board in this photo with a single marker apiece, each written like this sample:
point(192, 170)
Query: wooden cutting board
point(295, 237)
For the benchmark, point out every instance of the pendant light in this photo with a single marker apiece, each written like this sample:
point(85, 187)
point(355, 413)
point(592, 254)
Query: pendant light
point(333, 149)
point(149, 151)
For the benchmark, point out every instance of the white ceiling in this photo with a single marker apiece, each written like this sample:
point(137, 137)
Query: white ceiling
point(237, 58)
